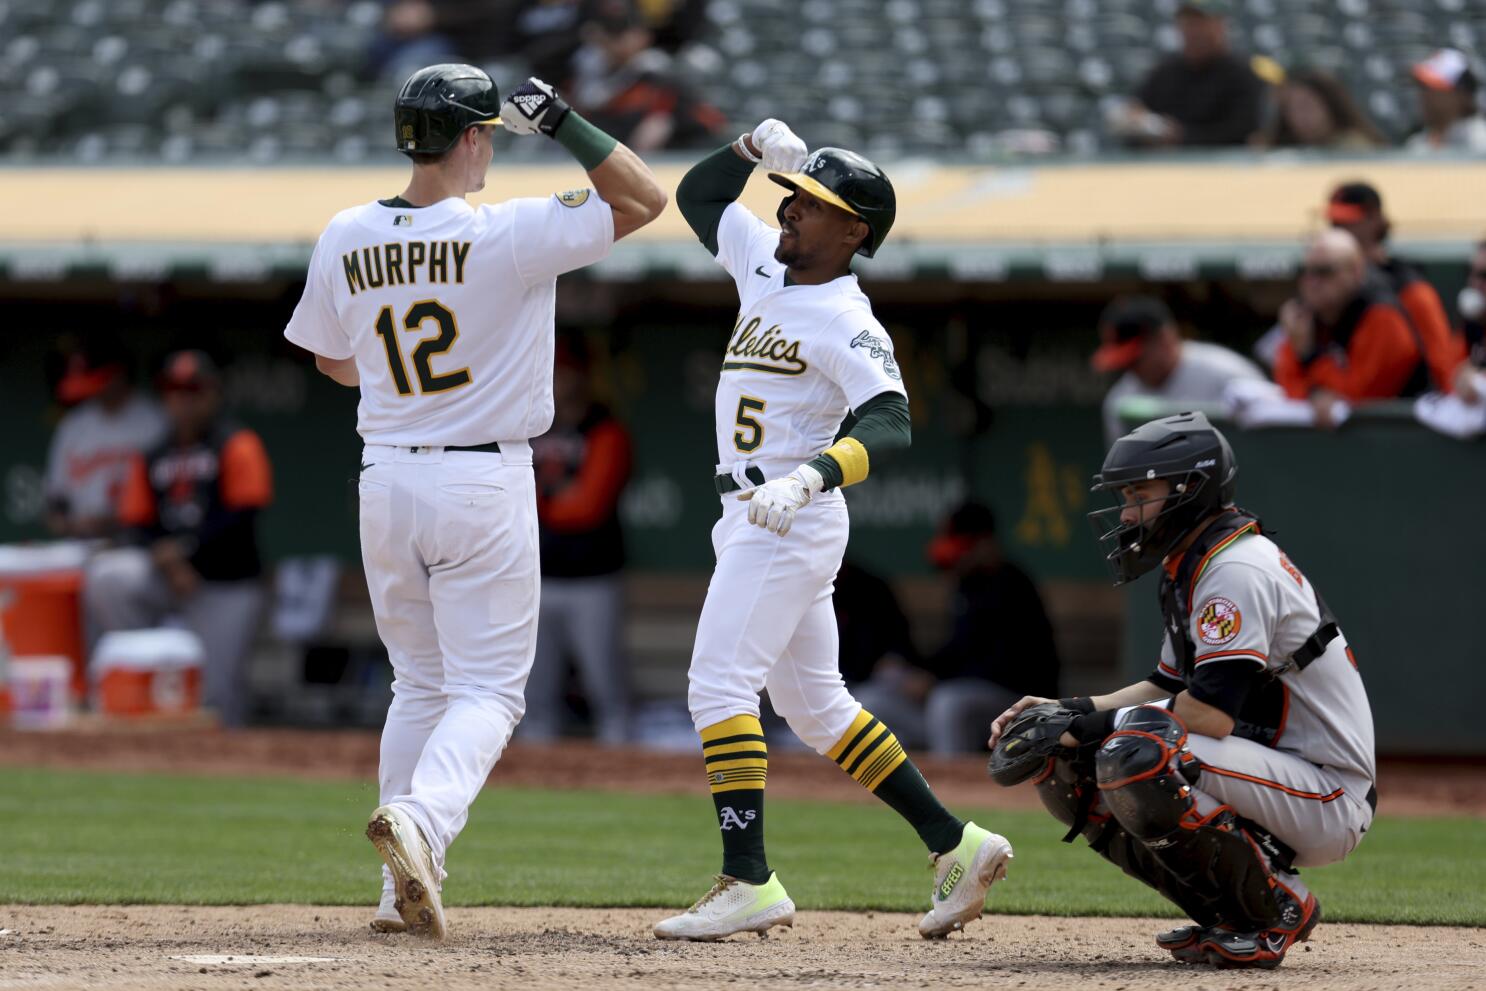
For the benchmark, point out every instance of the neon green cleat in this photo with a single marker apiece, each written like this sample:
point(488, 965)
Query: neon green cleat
point(961, 879)
point(732, 906)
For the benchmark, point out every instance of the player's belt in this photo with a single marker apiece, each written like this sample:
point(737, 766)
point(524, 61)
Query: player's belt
point(491, 448)
point(727, 483)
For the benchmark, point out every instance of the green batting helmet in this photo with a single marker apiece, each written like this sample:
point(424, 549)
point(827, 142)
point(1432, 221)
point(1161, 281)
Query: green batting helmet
point(847, 180)
point(436, 104)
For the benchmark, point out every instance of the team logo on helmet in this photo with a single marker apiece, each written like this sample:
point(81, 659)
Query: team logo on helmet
point(1218, 621)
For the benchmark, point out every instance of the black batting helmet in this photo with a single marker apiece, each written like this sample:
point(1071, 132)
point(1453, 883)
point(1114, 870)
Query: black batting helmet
point(847, 180)
point(436, 104)
point(1191, 454)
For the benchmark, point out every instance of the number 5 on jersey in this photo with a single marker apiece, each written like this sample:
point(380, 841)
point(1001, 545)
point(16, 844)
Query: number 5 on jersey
point(423, 353)
point(750, 442)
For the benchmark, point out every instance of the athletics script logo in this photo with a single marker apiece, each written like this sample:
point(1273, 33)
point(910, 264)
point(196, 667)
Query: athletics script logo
point(878, 348)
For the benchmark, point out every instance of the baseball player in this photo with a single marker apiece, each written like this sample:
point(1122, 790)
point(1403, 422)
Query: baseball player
point(1257, 756)
point(442, 313)
point(805, 352)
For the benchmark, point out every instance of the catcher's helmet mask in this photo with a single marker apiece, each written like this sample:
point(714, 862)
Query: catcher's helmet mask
point(439, 103)
point(1188, 452)
point(848, 182)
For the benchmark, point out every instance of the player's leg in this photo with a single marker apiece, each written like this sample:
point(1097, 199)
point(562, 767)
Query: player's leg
point(481, 543)
point(806, 688)
point(958, 711)
point(225, 615)
point(1152, 788)
point(122, 590)
point(598, 649)
point(397, 580)
point(557, 616)
point(761, 588)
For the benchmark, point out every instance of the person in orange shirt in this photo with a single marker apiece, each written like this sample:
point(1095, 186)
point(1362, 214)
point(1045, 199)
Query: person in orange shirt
point(1357, 208)
point(191, 504)
point(582, 465)
point(1345, 336)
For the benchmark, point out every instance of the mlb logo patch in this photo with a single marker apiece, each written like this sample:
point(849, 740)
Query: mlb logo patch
point(403, 220)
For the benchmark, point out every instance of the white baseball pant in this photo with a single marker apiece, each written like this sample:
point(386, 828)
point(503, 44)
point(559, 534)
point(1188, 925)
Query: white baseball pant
point(768, 623)
point(449, 543)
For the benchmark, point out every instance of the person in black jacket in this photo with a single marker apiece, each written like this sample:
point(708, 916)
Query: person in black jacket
point(582, 466)
point(1204, 96)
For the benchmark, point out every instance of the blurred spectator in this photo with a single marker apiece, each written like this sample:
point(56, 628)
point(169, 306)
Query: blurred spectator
point(546, 36)
point(416, 33)
point(582, 465)
point(627, 87)
point(873, 630)
point(1447, 105)
point(1000, 646)
point(1357, 208)
point(1316, 111)
point(193, 501)
point(110, 423)
point(1202, 97)
point(1139, 337)
point(1472, 306)
point(1346, 336)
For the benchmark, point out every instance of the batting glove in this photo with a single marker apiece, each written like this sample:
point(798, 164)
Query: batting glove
point(780, 149)
point(532, 107)
point(774, 504)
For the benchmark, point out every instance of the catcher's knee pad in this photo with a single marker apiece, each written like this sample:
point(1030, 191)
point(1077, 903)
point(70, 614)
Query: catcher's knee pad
point(1145, 776)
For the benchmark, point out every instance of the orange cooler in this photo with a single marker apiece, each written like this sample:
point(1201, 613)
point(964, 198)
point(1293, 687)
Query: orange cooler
point(40, 603)
point(148, 673)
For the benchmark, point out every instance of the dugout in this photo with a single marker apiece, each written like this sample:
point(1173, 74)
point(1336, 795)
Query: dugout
point(990, 285)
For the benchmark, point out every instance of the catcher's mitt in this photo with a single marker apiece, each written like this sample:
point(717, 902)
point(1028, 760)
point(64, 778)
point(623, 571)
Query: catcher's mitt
point(1029, 743)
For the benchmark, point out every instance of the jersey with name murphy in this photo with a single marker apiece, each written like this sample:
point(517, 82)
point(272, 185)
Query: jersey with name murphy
point(800, 357)
point(448, 310)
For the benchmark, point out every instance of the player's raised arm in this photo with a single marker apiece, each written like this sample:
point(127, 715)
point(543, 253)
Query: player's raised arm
point(620, 178)
point(718, 180)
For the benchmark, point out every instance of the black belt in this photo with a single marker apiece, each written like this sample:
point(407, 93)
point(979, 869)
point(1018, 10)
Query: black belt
point(727, 483)
point(491, 448)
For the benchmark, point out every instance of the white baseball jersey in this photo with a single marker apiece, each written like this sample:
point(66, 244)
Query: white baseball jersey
point(448, 310)
point(800, 358)
point(91, 450)
point(1253, 605)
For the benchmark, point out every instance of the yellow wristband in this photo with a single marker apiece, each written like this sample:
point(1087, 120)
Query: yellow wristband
point(849, 453)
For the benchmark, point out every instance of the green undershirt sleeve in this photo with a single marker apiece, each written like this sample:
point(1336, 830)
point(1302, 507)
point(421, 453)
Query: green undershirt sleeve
point(881, 425)
point(707, 190)
point(589, 145)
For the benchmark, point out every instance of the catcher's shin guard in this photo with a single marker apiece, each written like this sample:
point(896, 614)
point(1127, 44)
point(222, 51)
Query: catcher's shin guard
point(1070, 794)
point(1145, 776)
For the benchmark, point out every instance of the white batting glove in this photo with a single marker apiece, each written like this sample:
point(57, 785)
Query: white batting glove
point(774, 504)
point(532, 108)
point(780, 149)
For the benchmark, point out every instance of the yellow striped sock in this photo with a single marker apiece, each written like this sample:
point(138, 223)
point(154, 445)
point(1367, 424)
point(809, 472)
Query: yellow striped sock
point(735, 753)
point(868, 751)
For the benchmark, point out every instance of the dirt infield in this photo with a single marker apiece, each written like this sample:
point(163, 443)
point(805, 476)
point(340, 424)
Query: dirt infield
point(177, 947)
point(1404, 787)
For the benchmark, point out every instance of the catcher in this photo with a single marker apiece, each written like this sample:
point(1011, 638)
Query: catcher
point(1247, 752)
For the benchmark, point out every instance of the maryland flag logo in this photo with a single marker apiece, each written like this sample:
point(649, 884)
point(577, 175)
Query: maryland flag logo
point(1218, 621)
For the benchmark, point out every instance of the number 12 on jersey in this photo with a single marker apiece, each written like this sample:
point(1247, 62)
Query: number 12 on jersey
point(424, 351)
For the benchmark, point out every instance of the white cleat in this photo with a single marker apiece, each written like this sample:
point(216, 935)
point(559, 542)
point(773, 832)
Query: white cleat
point(387, 920)
point(732, 906)
point(406, 854)
point(961, 879)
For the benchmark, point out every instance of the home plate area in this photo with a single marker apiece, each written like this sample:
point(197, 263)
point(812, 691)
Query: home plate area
point(296, 946)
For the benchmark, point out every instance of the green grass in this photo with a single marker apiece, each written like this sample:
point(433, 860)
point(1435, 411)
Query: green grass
point(70, 837)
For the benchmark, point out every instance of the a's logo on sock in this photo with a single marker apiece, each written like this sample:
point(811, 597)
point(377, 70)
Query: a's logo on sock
point(950, 880)
point(731, 818)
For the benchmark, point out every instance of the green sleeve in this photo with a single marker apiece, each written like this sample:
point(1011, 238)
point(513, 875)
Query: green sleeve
point(881, 425)
point(708, 188)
